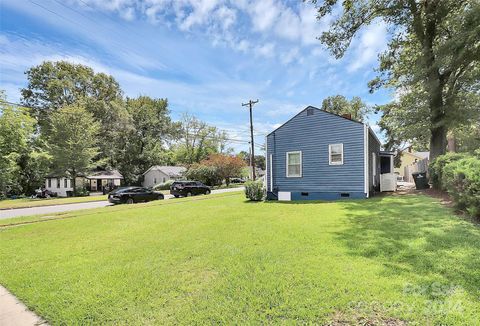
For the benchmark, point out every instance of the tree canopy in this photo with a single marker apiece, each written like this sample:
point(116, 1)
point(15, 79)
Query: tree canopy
point(73, 140)
point(433, 54)
point(340, 105)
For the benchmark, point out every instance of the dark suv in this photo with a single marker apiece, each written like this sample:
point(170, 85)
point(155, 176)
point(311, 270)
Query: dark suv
point(188, 188)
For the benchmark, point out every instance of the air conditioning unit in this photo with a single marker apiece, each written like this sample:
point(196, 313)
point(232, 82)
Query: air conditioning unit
point(388, 182)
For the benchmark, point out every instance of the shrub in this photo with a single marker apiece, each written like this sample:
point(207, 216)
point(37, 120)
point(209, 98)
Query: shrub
point(460, 177)
point(163, 186)
point(254, 190)
point(207, 174)
point(437, 167)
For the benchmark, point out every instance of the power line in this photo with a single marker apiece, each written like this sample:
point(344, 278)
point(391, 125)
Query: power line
point(240, 141)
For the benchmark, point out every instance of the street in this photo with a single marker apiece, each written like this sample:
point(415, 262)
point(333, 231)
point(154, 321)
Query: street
point(73, 207)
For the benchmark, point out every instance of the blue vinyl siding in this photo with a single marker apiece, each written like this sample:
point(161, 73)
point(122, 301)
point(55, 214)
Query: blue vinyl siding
point(311, 135)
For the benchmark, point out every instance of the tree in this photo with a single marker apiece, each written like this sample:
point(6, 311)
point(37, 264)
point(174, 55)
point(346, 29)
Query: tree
point(73, 140)
point(197, 140)
point(145, 138)
point(205, 173)
point(53, 85)
point(227, 166)
point(338, 104)
point(434, 49)
point(259, 159)
point(16, 133)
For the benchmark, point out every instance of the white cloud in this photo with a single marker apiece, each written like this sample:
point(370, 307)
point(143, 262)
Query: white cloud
point(267, 50)
point(290, 56)
point(263, 14)
point(372, 41)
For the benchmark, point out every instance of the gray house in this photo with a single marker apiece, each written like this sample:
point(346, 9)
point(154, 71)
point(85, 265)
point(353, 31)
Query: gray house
point(161, 174)
point(321, 155)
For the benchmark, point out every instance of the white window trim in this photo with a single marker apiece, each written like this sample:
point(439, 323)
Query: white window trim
point(330, 155)
point(286, 164)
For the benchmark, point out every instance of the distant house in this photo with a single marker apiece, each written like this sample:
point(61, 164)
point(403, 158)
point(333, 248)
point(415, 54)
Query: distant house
point(321, 155)
point(95, 181)
point(408, 158)
point(161, 174)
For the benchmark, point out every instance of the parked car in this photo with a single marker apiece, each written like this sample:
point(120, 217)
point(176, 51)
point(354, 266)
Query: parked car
point(188, 188)
point(237, 180)
point(130, 195)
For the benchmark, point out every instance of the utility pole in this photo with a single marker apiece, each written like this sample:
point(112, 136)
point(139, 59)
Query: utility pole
point(252, 152)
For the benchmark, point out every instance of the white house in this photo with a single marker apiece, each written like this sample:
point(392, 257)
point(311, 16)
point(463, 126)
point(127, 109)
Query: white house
point(161, 174)
point(93, 182)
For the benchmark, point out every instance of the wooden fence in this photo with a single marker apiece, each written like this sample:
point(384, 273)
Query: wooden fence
point(419, 166)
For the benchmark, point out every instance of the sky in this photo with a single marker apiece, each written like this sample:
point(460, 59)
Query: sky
point(207, 57)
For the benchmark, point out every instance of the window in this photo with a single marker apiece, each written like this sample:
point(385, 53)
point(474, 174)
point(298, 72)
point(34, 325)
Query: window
point(335, 153)
point(294, 164)
point(309, 111)
point(58, 183)
point(49, 183)
point(164, 180)
point(154, 181)
point(65, 183)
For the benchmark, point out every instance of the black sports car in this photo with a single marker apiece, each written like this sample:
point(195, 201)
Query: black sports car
point(130, 195)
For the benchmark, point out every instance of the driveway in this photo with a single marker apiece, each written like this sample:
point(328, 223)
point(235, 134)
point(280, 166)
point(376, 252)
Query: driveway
point(17, 212)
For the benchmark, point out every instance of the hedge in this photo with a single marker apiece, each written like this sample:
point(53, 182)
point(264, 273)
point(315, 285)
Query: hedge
point(459, 175)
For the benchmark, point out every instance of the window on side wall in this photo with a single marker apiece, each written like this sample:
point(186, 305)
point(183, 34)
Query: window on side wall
point(294, 164)
point(58, 183)
point(49, 183)
point(335, 154)
point(65, 181)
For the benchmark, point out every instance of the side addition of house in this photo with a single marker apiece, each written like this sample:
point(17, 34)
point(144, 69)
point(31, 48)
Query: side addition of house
point(320, 155)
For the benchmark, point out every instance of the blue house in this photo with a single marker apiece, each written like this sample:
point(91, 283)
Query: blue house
point(321, 155)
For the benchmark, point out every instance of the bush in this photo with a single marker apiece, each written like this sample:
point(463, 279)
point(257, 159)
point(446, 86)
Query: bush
point(254, 190)
point(460, 177)
point(163, 186)
point(207, 174)
point(437, 167)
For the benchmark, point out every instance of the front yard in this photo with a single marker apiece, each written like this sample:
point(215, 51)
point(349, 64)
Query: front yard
point(395, 260)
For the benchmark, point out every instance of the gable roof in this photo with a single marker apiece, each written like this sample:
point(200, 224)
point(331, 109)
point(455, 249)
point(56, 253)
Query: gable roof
point(334, 114)
point(108, 174)
point(315, 108)
point(171, 171)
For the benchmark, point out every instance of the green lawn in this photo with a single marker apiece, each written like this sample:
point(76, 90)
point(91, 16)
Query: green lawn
point(223, 260)
point(29, 202)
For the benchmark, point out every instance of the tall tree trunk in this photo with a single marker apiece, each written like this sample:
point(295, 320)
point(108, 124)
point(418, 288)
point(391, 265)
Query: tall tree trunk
point(438, 128)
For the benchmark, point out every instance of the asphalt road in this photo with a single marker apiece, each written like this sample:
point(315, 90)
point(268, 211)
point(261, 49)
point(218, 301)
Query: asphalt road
point(17, 212)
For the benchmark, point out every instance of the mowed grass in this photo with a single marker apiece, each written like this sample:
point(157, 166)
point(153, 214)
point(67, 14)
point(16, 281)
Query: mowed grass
point(30, 202)
point(224, 260)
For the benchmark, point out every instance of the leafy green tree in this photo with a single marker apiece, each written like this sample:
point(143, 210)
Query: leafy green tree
point(433, 49)
point(145, 139)
point(338, 104)
point(73, 140)
point(259, 159)
point(197, 140)
point(53, 85)
point(16, 132)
